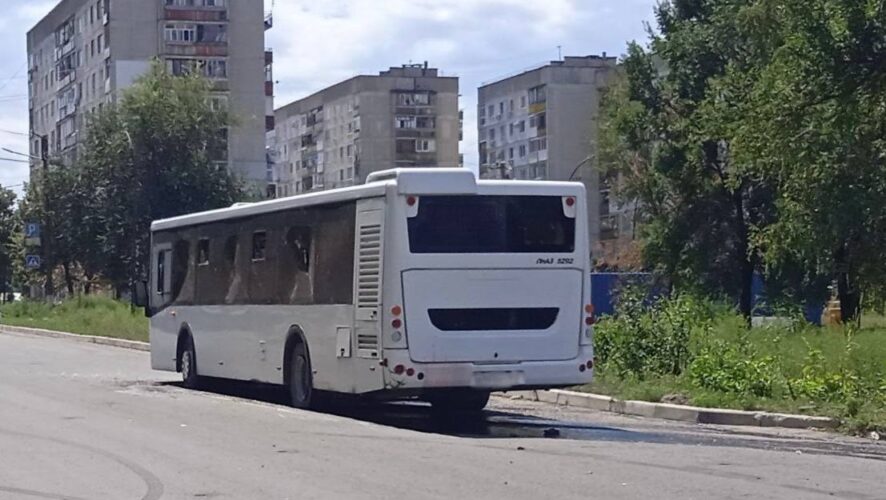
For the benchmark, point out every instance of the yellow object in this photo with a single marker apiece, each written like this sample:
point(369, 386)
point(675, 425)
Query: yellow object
point(832, 314)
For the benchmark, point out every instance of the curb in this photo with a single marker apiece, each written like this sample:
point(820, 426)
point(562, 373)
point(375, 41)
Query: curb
point(681, 413)
point(90, 339)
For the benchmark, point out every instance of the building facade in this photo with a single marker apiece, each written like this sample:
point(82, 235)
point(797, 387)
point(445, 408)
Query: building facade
point(85, 52)
point(403, 117)
point(541, 125)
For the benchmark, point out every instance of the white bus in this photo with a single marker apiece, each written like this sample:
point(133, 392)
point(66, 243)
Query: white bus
point(421, 284)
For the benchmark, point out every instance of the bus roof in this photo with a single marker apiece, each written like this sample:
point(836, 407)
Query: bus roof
point(417, 181)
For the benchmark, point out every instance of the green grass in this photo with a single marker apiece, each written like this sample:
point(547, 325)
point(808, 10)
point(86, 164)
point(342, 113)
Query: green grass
point(859, 352)
point(90, 315)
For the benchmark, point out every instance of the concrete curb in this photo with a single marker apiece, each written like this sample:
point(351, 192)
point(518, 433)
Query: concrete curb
point(90, 339)
point(681, 413)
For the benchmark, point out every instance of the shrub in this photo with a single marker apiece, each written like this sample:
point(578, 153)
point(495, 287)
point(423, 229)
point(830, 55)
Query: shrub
point(646, 339)
point(736, 369)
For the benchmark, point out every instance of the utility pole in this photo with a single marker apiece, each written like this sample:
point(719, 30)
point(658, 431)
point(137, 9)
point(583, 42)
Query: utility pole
point(49, 286)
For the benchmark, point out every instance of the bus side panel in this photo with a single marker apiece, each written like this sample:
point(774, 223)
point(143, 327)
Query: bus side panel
point(163, 337)
point(248, 343)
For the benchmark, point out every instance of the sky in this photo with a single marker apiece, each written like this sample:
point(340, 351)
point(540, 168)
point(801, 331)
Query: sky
point(318, 43)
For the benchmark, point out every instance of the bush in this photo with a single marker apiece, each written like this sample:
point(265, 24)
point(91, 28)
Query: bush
point(650, 339)
point(735, 369)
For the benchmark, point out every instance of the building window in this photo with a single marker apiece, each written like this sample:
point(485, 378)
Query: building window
point(537, 95)
point(511, 153)
point(523, 101)
point(405, 122)
point(203, 252)
point(501, 108)
point(259, 246)
point(425, 146)
point(414, 99)
point(491, 111)
point(180, 33)
point(492, 134)
point(426, 122)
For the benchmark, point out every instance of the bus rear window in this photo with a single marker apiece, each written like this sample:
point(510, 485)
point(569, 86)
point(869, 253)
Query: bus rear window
point(491, 224)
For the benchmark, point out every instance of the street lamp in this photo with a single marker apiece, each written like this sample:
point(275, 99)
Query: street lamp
point(583, 162)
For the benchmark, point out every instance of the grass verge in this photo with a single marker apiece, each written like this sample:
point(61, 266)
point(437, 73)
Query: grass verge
point(90, 315)
point(791, 368)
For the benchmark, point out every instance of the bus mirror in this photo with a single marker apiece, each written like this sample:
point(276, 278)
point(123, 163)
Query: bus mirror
point(140, 294)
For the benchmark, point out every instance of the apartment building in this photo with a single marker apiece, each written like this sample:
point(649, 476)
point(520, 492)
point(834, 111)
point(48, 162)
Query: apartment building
point(404, 117)
point(84, 52)
point(541, 125)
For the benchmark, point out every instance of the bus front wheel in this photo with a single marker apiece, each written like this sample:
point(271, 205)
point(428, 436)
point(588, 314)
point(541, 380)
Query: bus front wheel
point(301, 383)
point(459, 400)
point(188, 364)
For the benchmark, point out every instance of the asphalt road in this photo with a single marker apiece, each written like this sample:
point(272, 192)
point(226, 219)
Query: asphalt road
point(80, 421)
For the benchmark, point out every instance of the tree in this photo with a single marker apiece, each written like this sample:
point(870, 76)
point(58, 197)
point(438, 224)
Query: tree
point(816, 128)
point(667, 132)
point(9, 228)
point(155, 155)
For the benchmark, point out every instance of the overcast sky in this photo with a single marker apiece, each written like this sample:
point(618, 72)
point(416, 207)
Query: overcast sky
point(318, 43)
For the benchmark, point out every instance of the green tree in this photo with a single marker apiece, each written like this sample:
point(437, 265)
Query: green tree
point(9, 228)
point(155, 155)
point(667, 132)
point(816, 127)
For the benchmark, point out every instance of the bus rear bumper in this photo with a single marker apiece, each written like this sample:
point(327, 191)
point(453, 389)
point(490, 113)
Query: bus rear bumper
point(403, 373)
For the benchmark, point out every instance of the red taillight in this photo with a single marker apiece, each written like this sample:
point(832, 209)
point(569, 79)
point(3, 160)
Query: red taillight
point(410, 372)
point(590, 365)
point(570, 201)
point(396, 310)
point(589, 308)
point(399, 369)
point(590, 320)
point(396, 323)
point(411, 201)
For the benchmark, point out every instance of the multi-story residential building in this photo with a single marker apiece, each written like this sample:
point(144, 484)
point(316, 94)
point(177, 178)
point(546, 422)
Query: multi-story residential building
point(541, 124)
point(84, 52)
point(403, 117)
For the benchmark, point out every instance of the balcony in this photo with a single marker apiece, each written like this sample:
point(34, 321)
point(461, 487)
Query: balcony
point(205, 14)
point(199, 49)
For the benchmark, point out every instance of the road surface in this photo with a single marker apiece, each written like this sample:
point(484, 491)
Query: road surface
point(80, 421)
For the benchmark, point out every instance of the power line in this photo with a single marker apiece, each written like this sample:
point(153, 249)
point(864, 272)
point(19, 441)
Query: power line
point(14, 133)
point(11, 78)
point(14, 160)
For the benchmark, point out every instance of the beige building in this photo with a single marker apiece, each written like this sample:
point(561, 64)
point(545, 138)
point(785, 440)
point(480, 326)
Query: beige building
point(541, 124)
point(84, 52)
point(403, 117)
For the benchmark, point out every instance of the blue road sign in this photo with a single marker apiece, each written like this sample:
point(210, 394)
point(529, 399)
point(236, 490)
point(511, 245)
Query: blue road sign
point(32, 230)
point(32, 262)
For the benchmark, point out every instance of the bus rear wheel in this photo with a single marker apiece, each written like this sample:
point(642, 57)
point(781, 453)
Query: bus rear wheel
point(459, 400)
point(301, 380)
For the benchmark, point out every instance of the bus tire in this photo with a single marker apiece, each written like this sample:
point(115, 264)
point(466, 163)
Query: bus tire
point(459, 401)
point(301, 380)
point(187, 359)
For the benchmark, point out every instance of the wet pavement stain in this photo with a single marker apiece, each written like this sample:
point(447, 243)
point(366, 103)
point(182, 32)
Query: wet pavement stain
point(494, 424)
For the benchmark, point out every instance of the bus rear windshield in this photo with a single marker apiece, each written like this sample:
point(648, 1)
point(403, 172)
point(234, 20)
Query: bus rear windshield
point(491, 224)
